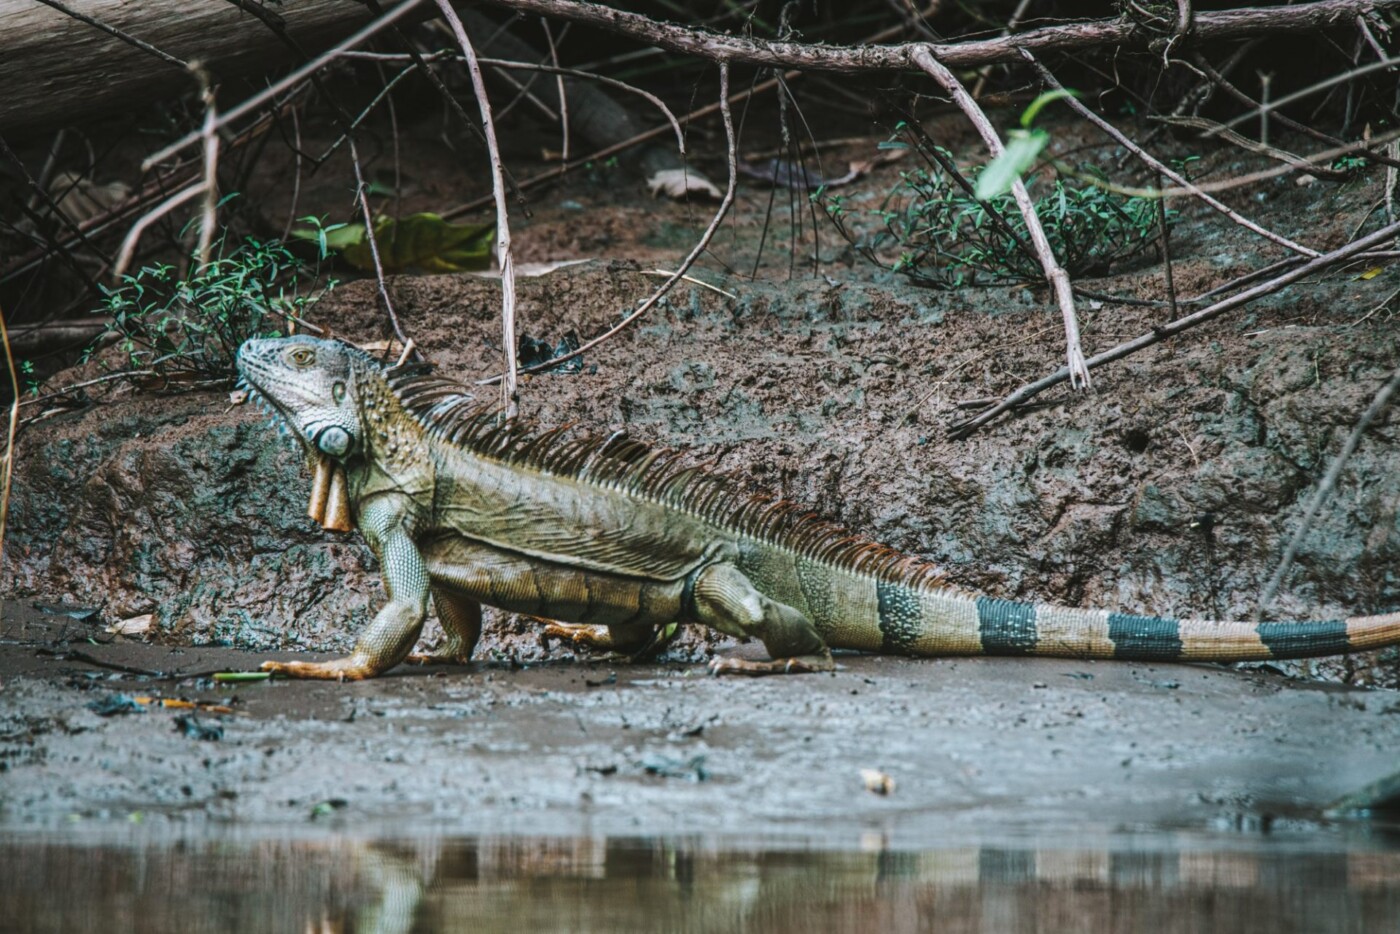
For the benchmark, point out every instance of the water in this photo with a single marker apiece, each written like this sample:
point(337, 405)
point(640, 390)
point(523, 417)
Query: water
point(343, 884)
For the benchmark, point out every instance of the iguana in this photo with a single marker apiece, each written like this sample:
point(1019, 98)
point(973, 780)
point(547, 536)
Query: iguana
point(610, 532)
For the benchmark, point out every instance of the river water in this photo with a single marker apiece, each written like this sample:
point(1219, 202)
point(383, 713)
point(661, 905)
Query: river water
point(152, 881)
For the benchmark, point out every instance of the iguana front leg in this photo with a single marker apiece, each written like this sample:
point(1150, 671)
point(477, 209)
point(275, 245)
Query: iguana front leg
point(384, 522)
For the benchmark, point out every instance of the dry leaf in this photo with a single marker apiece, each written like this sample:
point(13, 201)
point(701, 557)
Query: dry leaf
point(878, 782)
point(133, 626)
point(678, 183)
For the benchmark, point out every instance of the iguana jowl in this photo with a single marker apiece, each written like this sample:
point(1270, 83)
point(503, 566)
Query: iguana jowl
point(611, 532)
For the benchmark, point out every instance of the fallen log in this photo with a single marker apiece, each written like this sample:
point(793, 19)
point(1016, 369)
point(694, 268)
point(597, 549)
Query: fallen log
point(57, 69)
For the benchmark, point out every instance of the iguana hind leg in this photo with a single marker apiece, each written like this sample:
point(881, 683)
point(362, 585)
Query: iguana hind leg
point(461, 621)
point(728, 601)
point(628, 641)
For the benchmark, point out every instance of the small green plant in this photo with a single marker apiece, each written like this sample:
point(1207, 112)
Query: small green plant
point(947, 238)
point(190, 327)
point(31, 382)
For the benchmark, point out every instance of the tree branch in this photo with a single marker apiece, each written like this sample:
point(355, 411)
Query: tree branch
point(1223, 24)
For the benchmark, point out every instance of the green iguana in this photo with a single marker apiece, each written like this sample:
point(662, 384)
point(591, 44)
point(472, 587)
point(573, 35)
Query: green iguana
point(610, 532)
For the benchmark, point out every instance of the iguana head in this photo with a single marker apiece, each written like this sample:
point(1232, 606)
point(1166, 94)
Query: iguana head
point(311, 385)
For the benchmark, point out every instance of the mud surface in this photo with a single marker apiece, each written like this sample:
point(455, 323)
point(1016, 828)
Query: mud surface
point(978, 750)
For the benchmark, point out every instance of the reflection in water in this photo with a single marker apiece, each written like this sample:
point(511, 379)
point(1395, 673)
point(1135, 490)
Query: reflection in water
point(597, 884)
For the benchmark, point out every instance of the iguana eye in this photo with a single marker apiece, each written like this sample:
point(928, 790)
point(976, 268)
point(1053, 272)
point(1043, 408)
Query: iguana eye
point(303, 357)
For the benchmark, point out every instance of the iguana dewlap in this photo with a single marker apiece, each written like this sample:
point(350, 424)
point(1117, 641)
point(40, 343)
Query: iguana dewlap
point(473, 510)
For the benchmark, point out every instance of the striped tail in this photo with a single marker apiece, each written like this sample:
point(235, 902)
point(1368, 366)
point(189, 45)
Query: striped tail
point(949, 622)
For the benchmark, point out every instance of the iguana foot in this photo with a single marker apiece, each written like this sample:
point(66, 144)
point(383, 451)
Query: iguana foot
point(451, 653)
point(340, 669)
point(437, 658)
point(593, 637)
point(798, 664)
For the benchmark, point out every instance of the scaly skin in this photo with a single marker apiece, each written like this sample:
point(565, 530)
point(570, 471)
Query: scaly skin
point(614, 535)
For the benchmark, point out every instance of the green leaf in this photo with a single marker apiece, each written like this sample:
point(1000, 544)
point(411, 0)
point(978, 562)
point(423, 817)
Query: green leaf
point(424, 241)
point(1022, 148)
point(234, 677)
point(1049, 97)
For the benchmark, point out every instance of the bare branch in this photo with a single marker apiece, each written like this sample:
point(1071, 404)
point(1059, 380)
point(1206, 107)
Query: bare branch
point(1171, 329)
point(1329, 482)
point(208, 218)
point(1158, 166)
point(509, 397)
point(680, 271)
point(125, 37)
point(1266, 107)
point(1223, 24)
point(292, 80)
point(362, 197)
point(1054, 273)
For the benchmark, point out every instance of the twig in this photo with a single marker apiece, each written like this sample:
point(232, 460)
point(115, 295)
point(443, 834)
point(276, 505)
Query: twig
point(9, 441)
point(1329, 482)
point(41, 194)
point(1282, 119)
point(125, 37)
point(292, 80)
point(1164, 233)
point(384, 93)
point(1266, 106)
point(509, 397)
point(1157, 166)
point(296, 177)
point(211, 165)
point(1054, 273)
point(684, 267)
point(622, 146)
point(1240, 181)
point(1249, 145)
point(133, 236)
point(563, 98)
point(1161, 333)
point(1011, 25)
point(373, 239)
point(501, 63)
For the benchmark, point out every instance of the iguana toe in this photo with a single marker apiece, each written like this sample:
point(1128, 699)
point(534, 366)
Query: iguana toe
point(798, 664)
point(340, 669)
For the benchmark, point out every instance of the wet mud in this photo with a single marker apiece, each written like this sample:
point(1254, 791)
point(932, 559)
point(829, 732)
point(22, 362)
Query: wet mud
point(978, 750)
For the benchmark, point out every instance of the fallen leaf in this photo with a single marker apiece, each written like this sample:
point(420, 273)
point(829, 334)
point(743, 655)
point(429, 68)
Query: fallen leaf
point(877, 782)
point(679, 183)
point(1370, 273)
point(422, 241)
point(134, 625)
